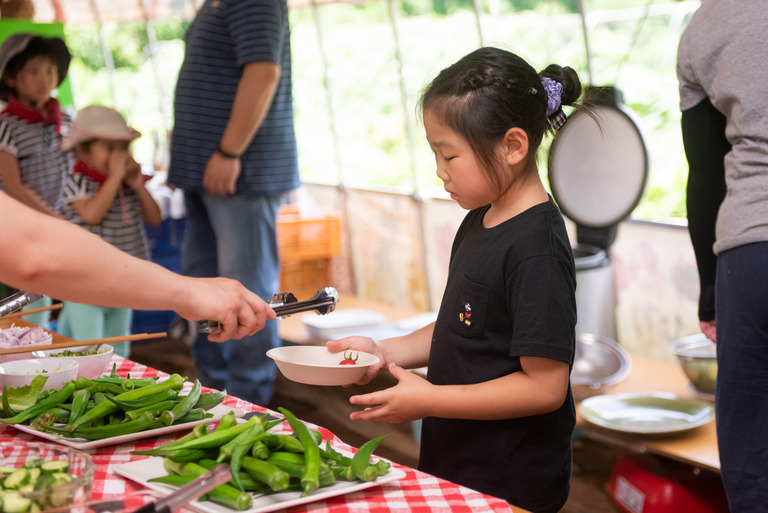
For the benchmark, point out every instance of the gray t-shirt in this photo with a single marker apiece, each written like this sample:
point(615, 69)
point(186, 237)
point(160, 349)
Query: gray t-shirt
point(722, 56)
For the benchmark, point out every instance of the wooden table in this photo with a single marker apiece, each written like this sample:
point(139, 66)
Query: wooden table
point(696, 447)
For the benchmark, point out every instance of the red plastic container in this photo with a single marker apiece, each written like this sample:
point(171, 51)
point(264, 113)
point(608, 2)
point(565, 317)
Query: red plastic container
point(648, 484)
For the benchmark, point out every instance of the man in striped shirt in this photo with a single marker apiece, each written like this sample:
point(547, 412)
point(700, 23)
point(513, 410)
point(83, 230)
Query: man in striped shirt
point(233, 152)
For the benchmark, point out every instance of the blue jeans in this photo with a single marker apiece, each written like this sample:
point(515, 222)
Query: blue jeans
point(741, 396)
point(235, 237)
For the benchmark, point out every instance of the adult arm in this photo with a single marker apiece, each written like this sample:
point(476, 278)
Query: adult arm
point(253, 98)
point(705, 144)
point(56, 258)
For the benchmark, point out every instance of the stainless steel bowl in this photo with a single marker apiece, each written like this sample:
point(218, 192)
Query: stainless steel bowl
point(599, 363)
point(698, 358)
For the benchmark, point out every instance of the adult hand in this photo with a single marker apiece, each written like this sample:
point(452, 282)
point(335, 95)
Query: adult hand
point(365, 344)
point(221, 175)
point(239, 311)
point(708, 328)
point(406, 401)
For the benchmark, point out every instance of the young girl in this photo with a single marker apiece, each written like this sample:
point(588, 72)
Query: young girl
point(32, 125)
point(105, 194)
point(497, 405)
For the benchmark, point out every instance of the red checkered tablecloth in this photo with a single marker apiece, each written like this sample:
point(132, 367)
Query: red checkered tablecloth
point(417, 492)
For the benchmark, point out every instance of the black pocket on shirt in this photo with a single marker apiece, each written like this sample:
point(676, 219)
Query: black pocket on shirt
point(468, 308)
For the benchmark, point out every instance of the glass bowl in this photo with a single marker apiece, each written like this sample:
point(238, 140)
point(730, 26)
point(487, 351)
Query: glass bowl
point(18, 453)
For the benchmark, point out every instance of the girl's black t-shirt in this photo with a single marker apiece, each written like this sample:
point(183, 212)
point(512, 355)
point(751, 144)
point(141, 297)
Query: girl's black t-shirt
point(510, 293)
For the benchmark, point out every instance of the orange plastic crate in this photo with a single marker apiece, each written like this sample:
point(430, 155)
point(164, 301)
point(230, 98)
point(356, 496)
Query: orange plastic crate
point(305, 277)
point(307, 238)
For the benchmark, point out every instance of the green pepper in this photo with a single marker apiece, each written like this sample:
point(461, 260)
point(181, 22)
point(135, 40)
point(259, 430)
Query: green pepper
point(49, 402)
point(187, 402)
point(361, 464)
point(310, 480)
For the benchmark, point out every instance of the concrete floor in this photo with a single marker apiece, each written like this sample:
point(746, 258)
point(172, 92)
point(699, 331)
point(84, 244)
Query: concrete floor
point(329, 407)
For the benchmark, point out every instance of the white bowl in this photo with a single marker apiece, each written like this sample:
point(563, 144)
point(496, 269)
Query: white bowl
point(341, 323)
point(315, 365)
point(90, 366)
point(19, 373)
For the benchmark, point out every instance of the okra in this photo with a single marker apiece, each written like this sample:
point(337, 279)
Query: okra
point(49, 402)
point(208, 400)
point(223, 494)
point(79, 403)
point(259, 450)
point(183, 407)
point(156, 409)
point(215, 438)
point(194, 415)
point(135, 404)
point(267, 473)
point(310, 480)
point(247, 437)
point(197, 431)
point(281, 442)
point(361, 461)
point(97, 433)
point(227, 421)
point(249, 483)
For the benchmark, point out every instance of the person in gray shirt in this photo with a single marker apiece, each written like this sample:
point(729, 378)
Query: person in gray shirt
point(723, 91)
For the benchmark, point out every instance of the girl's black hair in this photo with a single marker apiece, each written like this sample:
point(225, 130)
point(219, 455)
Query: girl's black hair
point(489, 91)
point(36, 47)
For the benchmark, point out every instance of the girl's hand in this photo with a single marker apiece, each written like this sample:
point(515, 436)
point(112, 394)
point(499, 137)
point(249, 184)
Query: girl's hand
point(116, 165)
point(364, 344)
point(406, 401)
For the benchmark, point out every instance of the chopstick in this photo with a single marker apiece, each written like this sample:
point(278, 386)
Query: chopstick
point(21, 313)
point(75, 343)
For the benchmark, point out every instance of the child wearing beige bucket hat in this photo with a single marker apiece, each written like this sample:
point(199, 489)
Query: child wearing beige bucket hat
point(105, 194)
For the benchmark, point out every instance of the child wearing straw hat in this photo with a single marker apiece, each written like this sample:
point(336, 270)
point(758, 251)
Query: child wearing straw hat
point(105, 194)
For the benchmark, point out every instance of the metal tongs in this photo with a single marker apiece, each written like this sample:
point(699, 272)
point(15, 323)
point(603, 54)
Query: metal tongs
point(17, 301)
point(285, 304)
point(219, 474)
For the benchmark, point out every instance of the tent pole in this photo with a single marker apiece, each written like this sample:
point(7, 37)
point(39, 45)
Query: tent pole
point(583, 14)
point(341, 186)
point(108, 61)
point(415, 195)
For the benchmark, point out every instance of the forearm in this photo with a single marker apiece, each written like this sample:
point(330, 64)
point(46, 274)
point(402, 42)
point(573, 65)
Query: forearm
point(519, 394)
point(11, 182)
point(150, 210)
point(409, 351)
point(252, 101)
point(93, 209)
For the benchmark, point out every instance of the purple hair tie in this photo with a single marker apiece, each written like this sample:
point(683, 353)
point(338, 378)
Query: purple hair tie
point(554, 90)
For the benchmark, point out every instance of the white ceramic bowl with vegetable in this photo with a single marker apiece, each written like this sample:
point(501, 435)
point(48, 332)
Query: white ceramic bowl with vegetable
point(59, 476)
point(315, 365)
point(93, 360)
point(19, 373)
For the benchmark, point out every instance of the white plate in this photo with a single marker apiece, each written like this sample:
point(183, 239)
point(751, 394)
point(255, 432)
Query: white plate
point(143, 470)
point(649, 413)
point(80, 443)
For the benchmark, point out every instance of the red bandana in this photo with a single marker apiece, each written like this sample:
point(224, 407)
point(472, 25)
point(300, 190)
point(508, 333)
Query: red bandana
point(51, 115)
point(82, 167)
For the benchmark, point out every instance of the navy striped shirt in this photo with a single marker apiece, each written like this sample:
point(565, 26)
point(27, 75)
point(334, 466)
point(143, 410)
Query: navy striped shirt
point(224, 37)
point(37, 147)
point(121, 226)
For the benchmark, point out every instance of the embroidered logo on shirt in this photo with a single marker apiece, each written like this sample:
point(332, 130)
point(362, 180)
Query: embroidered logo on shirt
point(466, 315)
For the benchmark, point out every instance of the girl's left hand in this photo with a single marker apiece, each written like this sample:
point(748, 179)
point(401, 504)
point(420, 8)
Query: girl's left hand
point(406, 401)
